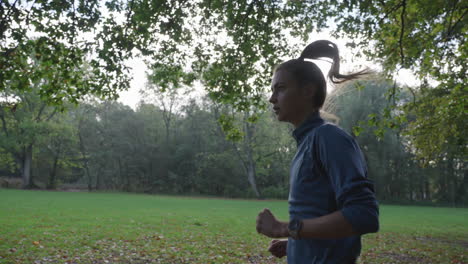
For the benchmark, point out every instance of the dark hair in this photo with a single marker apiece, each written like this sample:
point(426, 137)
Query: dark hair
point(307, 72)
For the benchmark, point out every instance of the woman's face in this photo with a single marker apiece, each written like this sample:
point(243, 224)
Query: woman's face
point(291, 103)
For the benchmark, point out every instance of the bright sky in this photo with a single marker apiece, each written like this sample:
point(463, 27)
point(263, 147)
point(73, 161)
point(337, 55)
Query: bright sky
point(350, 63)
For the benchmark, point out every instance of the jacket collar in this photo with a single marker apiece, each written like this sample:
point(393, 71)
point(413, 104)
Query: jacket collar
point(313, 121)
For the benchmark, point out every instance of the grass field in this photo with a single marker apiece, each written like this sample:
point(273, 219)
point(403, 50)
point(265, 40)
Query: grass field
point(70, 227)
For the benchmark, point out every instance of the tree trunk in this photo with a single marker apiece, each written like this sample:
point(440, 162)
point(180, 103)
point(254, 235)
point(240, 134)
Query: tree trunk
point(462, 188)
point(53, 179)
point(26, 167)
point(167, 131)
point(90, 184)
point(85, 160)
point(99, 179)
point(52, 184)
point(123, 179)
point(251, 177)
point(251, 171)
point(445, 189)
point(428, 190)
point(451, 180)
point(422, 195)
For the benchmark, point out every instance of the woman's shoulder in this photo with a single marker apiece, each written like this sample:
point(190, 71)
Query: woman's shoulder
point(330, 130)
point(331, 134)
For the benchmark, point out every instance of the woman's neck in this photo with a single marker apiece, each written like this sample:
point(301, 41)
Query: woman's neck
point(306, 116)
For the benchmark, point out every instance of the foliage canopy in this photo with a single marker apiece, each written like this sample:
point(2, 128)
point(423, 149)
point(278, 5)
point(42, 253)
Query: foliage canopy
point(70, 49)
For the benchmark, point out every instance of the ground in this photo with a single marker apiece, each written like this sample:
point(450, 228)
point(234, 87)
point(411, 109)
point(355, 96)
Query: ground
point(81, 227)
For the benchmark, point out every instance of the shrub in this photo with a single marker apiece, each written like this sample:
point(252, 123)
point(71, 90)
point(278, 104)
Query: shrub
point(11, 183)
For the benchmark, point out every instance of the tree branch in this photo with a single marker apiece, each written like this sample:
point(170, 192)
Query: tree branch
point(38, 117)
point(74, 22)
point(51, 115)
point(449, 20)
point(26, 100)
point(261, 158)
point(130, 9)
point(29, 12)
point(452, 27)
point(4, 19)
point(2, 116)
point(402, 31)
point(393, 9)
point(247, 13)
point(413, 93)
point(244, 163)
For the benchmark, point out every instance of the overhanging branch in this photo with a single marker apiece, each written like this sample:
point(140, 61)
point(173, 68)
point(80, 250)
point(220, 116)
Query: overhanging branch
point(402, 31)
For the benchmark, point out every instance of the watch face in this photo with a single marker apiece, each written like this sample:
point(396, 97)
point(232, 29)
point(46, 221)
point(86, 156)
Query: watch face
point(294, 224)
point(294, 227)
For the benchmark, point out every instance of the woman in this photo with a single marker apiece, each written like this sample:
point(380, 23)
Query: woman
point(331, 201)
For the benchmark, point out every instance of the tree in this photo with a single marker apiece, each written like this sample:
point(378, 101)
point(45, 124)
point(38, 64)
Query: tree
point(60, 147)
point(357, 106)
point(62, 48)
point(168, 101)
point(113, 140)
point(428, 38)
point(23, 128)
point(84, 121)
point(244, 148)
point(232, 46)
point(390, 153)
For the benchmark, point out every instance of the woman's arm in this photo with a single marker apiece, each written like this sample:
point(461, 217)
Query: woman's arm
point(331, 226)
point(343, 163)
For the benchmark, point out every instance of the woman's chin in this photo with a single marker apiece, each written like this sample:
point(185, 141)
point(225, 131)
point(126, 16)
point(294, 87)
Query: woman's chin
point(280, 118)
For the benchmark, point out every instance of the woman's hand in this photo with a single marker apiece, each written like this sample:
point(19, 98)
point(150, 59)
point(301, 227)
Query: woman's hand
point(268, 225)
point(278, 248)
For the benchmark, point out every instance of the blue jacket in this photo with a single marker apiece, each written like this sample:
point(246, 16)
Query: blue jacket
point(329, 173)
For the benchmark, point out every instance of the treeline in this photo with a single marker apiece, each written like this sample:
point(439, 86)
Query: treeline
point(176, 146)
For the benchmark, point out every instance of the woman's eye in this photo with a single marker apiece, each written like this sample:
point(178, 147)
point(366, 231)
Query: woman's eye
point(278, 88)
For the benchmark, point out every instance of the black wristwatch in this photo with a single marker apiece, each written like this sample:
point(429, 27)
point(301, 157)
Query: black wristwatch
point(294, 227)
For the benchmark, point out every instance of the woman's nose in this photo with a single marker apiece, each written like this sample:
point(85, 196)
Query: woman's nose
point(272, 98)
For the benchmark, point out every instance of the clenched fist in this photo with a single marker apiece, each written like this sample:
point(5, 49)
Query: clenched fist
point(278, 248)
point(268, 225)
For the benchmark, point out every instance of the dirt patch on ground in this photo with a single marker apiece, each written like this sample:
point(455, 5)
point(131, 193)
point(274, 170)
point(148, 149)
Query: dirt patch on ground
point(459, 243)
point(403, 258)
point(261, 259)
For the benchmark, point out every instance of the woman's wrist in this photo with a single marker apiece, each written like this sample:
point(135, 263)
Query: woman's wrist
point(284, 229)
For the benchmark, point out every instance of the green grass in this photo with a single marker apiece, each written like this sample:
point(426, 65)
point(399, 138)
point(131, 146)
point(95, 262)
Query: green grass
point(67, 227)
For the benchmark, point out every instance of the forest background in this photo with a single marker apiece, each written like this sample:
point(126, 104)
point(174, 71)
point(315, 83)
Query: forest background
point(63, 64)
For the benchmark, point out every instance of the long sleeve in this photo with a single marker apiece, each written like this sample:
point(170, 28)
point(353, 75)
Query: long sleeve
point(343, 162)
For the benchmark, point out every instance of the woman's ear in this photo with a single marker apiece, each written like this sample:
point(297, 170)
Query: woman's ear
point(309, 91)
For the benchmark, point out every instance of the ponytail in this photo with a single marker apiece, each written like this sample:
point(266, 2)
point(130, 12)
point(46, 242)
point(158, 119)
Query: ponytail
point(306, 72)
point(328, 49)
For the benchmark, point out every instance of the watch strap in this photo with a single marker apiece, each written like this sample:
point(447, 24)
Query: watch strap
point(294, 227)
